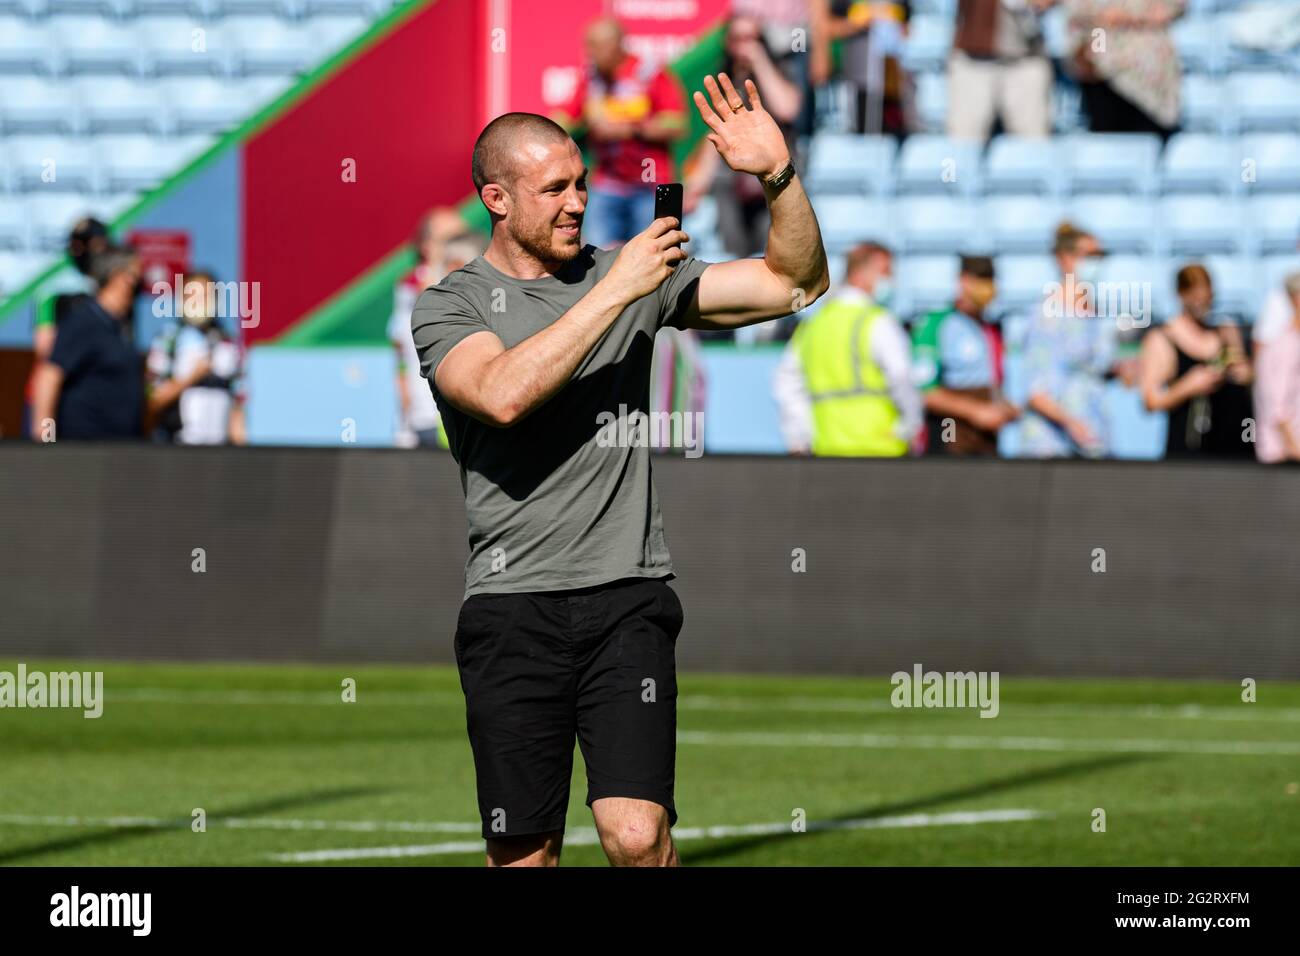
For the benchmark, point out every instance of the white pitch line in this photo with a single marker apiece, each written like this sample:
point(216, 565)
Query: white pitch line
point(587, 836)
point(1245, 712)
point(956, 742)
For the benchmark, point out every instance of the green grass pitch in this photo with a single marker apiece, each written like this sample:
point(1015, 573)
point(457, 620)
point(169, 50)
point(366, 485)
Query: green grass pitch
point(288, 774)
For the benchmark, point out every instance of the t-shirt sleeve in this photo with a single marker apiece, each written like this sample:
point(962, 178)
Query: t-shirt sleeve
point(677, 293)
point(441, 319)
point(72, 347)
point(666, 94)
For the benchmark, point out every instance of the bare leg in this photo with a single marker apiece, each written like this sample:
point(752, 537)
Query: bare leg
point(533, 849)
point(634, 832)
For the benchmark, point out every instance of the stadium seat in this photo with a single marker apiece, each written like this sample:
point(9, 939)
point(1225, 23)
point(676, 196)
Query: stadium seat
point(52, 214)
point(1201, 162)
point(1205, 105)
point(1110, 162)
point(932, 163)
point(137, 163)
point(261, 45)
point(932, 101)
point(199, 9)
point(1265, 102)
point(1055, 31)
point(1273, 162)
point(929, 38)
point(90, 44)
point(1022, 164)
point(1275, 221)
point(15, 226)
point(19, 268)
point(369, 8)
point(1133, 285)
point(103, 8)
point(32, 104)
point(25, 8)
point(847, 220)
point(182, 46)
point(942, 7)
point(1202, 225)
point(1236, 287)
point(331, 34)
point(114, 104)
point(206, 105)
point(937, 225)
point(1022, 280)
point(26, 47)
point(284, 9)
point(703, 220)
point(1199, 45)
point(1123, 224)
point(837, 265)
point(1020, 224)
point(924, 283)
point(52, 164)
point(846, 162)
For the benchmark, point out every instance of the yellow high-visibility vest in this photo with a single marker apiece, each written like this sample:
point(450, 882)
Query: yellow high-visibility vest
point(853, 414)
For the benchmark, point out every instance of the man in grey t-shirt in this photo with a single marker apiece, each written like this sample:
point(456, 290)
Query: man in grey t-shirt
point(539, 353)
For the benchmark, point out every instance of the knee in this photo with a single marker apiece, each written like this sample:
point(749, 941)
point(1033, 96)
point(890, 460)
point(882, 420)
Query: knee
point(639, 841)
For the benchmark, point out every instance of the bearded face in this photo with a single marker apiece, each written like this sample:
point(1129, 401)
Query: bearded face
point(547, 201)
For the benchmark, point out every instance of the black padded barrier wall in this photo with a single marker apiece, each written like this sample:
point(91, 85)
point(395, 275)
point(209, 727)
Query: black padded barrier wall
point(358, 555)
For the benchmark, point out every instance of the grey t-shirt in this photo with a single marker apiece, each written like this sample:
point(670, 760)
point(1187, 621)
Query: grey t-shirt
point(551, 503)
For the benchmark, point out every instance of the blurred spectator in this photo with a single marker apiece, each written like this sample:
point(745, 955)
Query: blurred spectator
point(1277, 388)
point(1127, 66)
point(787, 28)
point(1274, 316)
point(958, 364)
point(92, 385)
point(88, 237)
point(1068, 354)
point(1200, 374)
point(194, 371)
point(743, 217)
point(677, 384)
point(998, 70)
point(844, 385)
point(871, 45)
point(443, 244)
point(633, 112)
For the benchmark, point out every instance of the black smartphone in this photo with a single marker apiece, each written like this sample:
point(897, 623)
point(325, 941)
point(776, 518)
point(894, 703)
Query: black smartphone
point(668, 202)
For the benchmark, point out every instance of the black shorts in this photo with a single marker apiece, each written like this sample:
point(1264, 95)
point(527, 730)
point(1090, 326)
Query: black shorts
point(540, 668)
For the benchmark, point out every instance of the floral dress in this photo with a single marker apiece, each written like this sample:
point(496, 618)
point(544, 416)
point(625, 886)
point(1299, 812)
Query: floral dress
point(1067, 358)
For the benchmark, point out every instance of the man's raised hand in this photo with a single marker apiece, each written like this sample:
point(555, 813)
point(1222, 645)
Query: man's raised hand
point(748, 139)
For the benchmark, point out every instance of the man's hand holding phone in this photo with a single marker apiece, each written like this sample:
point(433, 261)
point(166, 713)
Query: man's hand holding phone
point(647, 259)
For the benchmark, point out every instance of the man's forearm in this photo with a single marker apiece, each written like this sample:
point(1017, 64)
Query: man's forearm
point(663, 129)
point(45, 397)
point(944, 402)
point(794, 242)
point(522, 378)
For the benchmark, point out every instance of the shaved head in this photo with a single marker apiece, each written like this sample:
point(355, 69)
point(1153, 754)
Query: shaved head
point(502, 146)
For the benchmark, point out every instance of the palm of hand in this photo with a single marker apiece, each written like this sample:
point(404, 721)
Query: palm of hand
point(748, 140)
